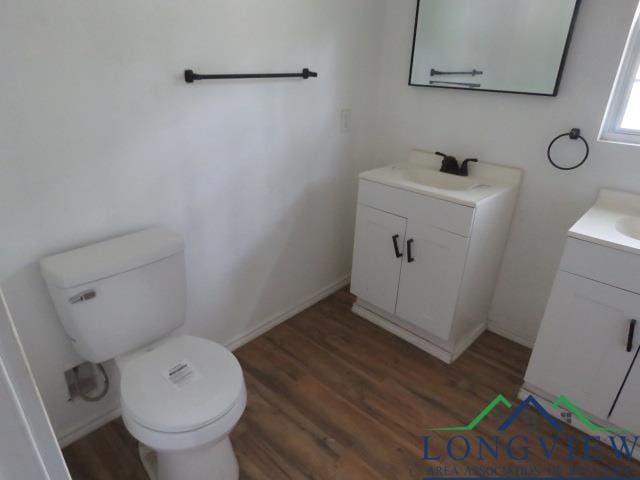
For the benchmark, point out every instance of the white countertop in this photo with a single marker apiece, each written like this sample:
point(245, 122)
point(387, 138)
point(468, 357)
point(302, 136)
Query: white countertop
point(489, 179)
point(605, 223)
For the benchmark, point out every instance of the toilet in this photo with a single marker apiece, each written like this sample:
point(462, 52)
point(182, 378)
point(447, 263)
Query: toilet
point(123, 299)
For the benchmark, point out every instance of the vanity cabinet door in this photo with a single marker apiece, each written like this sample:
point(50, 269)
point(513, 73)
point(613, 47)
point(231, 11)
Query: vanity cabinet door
point(432, 272)
point(581, 350)
point(377, 257)
point(627, 411)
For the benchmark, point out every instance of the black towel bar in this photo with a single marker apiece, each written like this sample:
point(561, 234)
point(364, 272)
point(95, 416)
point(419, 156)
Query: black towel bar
point(191, 77)
point(459, 84)
point(473, 72)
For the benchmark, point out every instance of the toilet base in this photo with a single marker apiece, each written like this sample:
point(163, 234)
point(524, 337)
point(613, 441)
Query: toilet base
point(149, 459)
point(212, 462)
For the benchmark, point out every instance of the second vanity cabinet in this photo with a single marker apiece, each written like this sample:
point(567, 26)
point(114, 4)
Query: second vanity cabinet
point(581, 350)
point(425, 266)
point(589, 341)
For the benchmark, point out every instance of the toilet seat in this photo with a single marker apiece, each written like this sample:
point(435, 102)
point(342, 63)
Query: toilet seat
point(175, 442)
point(181, 386)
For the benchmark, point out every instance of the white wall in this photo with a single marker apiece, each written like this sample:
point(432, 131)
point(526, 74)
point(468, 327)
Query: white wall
point(99, 135)
point(515, 130)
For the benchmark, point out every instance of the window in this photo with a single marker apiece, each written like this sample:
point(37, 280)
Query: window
point(622, 120)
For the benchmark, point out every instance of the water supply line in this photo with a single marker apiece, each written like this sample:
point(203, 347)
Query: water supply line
point(84, 395)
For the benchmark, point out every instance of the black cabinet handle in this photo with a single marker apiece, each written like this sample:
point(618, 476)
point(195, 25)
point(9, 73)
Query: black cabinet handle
point(395, 246)
point(410, 258)
point(632, 331)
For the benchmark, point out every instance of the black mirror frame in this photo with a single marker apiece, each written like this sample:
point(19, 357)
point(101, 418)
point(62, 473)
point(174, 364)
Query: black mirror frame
point(556, 89)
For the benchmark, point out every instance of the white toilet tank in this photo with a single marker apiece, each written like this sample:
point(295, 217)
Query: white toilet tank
point(119, 295)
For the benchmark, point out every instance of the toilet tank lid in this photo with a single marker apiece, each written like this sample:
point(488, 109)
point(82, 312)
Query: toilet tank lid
point(111, 257)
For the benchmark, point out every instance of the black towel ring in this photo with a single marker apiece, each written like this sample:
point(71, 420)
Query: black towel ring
point(574, 134)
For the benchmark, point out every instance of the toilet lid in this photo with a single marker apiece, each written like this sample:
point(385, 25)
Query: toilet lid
point(181, 385)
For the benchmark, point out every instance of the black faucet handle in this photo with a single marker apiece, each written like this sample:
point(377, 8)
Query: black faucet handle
point(464, 168)
point(445, 161)
point(449, 163)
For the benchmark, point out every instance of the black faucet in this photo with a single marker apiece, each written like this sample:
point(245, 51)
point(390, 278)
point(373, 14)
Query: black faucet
point(450, 165)
point(464, 168)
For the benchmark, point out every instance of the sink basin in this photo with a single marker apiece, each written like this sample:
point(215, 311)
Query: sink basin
point(614, 221)
point(629, 226)
point(421, 175)
point(443, 181)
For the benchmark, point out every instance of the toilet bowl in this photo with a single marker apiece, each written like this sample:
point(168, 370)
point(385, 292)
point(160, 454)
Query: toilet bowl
point(180, 400)
point(123, 299)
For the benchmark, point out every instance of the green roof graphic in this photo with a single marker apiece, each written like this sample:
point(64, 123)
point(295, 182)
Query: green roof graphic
point(561, 402)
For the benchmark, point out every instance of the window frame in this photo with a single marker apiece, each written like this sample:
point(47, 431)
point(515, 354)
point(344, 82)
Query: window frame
point(611, 130)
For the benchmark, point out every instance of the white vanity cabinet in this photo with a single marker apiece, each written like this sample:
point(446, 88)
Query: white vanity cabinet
point(404, 266)
point(425, 261)
point(588, 345)
point(581, 351)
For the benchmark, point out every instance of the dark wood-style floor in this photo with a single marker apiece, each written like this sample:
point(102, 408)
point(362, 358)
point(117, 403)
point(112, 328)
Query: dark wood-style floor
point(332, 396)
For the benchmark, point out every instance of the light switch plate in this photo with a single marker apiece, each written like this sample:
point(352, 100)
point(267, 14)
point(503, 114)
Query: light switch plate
point(345, 120)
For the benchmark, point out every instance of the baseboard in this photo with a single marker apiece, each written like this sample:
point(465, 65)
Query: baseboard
point(67, 438)
point(423, 344)
point(467, 341)
point(288, 313)
point(514, 337)
point(431, 348)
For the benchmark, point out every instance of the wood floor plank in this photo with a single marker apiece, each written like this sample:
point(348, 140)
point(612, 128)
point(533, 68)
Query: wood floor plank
point(326, 407)
point(333, 397)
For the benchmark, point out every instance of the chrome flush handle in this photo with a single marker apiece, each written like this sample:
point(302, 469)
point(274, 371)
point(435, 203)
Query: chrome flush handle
point(83, 297)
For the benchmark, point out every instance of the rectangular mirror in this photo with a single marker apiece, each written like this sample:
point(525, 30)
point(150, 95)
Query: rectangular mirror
point(514, 46)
